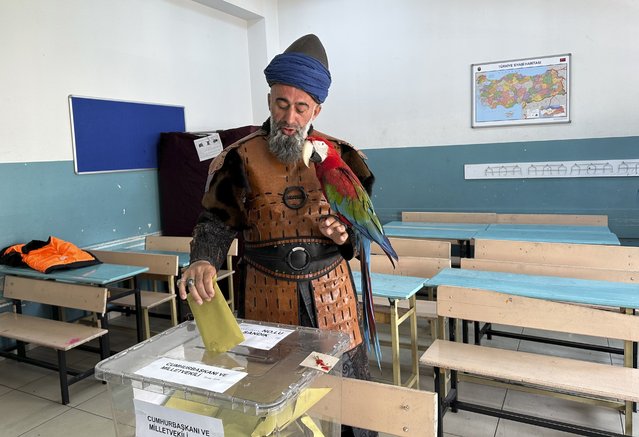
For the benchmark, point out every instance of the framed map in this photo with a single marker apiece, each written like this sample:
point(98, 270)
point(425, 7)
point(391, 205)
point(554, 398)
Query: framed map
point(522, 91)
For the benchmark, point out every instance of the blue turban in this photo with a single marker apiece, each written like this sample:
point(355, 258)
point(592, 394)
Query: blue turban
point(301, 71)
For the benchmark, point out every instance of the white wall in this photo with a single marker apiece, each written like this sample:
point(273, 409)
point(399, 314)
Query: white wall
point(401, 69)
point(158, 51)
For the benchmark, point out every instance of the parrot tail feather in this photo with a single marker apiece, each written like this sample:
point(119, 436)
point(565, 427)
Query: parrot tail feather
point(370, 330)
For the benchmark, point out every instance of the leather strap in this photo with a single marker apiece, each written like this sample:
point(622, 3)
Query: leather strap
point(296, 260)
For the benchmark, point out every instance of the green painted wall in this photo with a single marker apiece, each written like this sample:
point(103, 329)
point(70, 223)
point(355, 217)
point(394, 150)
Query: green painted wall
point(47, 198)
point(432, 179)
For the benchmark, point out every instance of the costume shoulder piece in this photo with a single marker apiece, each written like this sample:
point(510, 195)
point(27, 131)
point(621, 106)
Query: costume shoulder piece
point(218, 162)
point(227, 185)
point(354, 158)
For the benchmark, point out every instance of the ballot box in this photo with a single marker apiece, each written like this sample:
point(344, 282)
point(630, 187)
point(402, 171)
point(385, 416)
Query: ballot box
point(269, 385)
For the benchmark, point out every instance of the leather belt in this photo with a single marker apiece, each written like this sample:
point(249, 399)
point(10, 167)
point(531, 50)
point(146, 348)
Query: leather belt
point(293, 259)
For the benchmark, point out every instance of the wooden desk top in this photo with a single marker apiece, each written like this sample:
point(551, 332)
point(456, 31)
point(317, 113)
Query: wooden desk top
point(448, 231)
point(549, 233)
point(583, 291)
point(100, 274)
point(549, 228)
point(503, 231)
point(391, 286)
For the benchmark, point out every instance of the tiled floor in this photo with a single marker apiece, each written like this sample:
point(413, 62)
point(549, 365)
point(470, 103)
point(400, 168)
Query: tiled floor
point(30, 399)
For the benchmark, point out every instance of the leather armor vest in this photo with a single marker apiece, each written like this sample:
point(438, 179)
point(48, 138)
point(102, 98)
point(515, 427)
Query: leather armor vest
point(284, 249)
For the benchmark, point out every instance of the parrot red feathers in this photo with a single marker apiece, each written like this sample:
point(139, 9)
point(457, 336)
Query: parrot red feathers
point(352, 205)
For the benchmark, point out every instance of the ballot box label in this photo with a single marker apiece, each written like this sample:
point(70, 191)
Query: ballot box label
point(155, 420)
point(261, 336)
point(210, 378)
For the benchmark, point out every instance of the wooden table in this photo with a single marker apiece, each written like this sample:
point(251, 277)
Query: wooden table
point(396, 288)
point(184, 260)
point(465, 233)
point(434, 231)
point(99, 274)
point(462, 233)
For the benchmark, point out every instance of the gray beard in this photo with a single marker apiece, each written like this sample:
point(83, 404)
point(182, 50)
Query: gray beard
point(287, 148)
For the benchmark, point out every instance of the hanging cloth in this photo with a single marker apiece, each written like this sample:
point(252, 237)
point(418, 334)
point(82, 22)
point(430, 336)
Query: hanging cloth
point(47, 256)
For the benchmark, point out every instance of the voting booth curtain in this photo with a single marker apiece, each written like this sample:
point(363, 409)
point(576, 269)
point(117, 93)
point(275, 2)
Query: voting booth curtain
point(182, 176)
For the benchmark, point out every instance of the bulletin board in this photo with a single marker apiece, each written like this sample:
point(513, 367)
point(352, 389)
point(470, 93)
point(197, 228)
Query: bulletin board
point(114, 135)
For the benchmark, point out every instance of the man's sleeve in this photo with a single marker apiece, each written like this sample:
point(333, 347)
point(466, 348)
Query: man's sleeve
point(211, 240)
point(224, 213)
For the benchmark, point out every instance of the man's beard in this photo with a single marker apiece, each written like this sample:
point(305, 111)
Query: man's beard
point(287, 148)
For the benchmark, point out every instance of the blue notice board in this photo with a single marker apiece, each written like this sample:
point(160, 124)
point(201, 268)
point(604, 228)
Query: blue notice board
point(111, 135)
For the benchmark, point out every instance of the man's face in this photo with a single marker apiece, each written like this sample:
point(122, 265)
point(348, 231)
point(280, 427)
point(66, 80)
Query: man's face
point(291, 108)
point(292, 111)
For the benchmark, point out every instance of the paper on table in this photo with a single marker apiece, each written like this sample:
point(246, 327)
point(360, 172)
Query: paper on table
point(216, 323)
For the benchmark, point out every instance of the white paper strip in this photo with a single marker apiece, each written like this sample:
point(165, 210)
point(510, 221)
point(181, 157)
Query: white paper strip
point(215, 379)
point(155, 421)
point(553, 169)
point(262, 337)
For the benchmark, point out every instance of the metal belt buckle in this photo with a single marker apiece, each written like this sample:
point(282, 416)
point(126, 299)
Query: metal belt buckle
point(294, 258)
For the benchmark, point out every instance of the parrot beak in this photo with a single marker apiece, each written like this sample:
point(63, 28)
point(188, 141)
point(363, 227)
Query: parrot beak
point(307, 152)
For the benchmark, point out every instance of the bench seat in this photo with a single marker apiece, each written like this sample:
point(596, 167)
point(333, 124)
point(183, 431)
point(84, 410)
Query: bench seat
point(59, 335)
point(53, 334)
point(582, 380)
point(561, 374)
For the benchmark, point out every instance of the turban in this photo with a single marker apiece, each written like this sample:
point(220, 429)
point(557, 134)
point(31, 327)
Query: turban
point(303, 65)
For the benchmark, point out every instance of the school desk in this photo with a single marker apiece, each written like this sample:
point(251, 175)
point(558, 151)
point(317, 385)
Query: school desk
point(579, 291)
point(99, 274)
point(183, 262)
point(396, 288)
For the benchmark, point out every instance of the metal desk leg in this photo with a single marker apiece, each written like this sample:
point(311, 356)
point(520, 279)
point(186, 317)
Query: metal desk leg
point(630, 360)
point(397, 376)
point(412, 304)
point(395, 323)
point(138, 310)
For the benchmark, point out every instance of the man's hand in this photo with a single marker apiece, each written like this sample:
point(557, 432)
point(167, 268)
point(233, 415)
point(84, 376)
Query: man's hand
point(198, 280)
point(332, 228)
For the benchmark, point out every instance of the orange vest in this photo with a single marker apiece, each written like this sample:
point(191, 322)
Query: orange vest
point(47, 256)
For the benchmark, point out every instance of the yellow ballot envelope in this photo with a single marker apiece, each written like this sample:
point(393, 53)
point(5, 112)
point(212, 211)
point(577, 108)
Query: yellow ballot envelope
point(215, 321)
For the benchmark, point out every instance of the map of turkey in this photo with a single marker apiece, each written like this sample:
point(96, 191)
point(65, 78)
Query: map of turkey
point(524, 93)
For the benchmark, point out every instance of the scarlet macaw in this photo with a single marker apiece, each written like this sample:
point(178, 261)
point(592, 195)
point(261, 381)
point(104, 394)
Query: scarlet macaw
point(348, 198)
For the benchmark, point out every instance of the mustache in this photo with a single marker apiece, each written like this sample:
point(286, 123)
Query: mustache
point(284, 125)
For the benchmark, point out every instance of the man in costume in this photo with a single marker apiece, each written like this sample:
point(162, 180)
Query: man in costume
point(295, 252)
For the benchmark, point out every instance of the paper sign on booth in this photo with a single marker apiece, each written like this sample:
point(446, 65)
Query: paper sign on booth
point(208, 147)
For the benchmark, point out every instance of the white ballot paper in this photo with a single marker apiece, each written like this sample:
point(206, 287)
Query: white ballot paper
point(262, 337)
point(210, 378)
point(154, 420)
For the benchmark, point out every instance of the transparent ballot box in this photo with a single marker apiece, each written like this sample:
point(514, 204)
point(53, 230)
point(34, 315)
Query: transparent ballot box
point(169, 385)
